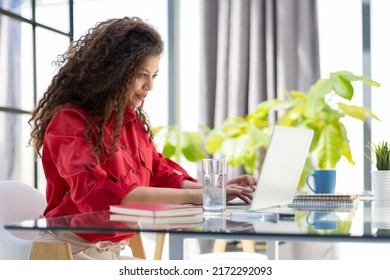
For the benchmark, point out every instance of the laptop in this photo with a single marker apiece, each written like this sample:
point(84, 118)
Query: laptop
point(282, 167)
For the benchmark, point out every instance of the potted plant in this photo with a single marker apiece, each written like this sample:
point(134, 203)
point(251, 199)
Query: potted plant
point(321, 109)
point(382, 155)
point(381, 177)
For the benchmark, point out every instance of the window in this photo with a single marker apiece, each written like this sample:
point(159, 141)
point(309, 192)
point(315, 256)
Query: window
point(31, 32)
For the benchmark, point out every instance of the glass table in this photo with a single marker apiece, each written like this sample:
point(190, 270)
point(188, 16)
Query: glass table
point(367, 222)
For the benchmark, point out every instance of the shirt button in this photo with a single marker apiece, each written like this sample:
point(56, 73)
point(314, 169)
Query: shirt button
point(88, 164)
point(133, 170)
point(67, 193)
point(123, 147)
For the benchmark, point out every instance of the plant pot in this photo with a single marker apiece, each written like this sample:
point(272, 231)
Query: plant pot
point(380, 185)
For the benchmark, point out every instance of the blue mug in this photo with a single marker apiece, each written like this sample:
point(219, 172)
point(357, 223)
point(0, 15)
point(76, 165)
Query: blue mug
point(324, 181)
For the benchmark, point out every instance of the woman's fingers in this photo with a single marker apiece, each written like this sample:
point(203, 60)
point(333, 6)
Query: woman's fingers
point(244, 193)
point(244, 180)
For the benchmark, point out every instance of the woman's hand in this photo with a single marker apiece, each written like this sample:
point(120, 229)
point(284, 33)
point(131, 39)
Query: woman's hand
point(242, 187)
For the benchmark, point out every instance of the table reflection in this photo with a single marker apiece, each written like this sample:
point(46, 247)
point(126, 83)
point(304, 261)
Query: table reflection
point(308, 222)
point(325, 223)
point(369, 221)
point(381, 219)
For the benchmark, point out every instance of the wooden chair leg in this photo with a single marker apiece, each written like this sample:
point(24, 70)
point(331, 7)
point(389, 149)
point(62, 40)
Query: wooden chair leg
point(219, 246)
point(160, 238)
point(248, 246)
point(137, 247)
point(45, 250)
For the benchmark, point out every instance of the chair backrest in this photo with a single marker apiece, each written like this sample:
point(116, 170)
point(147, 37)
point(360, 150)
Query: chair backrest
point(18, 202)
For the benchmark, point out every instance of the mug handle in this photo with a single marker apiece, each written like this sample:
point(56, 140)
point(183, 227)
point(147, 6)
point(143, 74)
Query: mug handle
point(308, 219)
point(307, 181)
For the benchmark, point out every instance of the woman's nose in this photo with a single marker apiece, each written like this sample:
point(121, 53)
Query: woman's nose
point(148, 85)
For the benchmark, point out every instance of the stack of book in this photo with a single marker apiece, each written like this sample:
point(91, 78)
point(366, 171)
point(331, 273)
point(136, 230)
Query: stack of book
point(325, 202)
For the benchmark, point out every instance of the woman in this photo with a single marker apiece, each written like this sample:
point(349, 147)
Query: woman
point(96, 141)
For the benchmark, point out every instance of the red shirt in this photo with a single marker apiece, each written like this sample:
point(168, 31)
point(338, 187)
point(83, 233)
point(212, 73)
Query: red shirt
point(75, 184)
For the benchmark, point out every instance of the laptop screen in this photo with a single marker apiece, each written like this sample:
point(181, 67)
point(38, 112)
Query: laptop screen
point(282, 167)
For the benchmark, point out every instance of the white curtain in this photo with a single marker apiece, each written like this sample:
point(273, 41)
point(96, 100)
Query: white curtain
point(252, 50)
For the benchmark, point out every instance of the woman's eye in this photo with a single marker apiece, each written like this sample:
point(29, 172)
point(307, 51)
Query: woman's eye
point(145, 75)
point(142, 74)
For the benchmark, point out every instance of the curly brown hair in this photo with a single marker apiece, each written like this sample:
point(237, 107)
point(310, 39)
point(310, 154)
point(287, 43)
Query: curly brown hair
point(94, 75)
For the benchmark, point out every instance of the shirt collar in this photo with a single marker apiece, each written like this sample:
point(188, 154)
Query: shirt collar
point(129, 116)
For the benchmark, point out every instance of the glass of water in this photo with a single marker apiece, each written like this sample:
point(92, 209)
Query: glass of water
point(213, 183)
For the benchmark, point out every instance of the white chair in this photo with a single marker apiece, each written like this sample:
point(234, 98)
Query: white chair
point(18, 202)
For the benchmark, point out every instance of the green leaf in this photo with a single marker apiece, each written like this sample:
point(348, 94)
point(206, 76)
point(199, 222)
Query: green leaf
point(330, 115)
point(233, 127)
point(345, 148)
point(191, 147)
point(259, 136)
point(285, 104)
point(298, 95)
point(328, 148)
point(351, 77)
point(371, 82)
point(168, 150)
point(192, 152)
point(214, 141)
point(195, 137)
point(263, 108)
point(316, 139)
point(316, 96)
point(295, 115)
point(249, 166)
point(238, 150)
point(357, 112)
point(342, 86)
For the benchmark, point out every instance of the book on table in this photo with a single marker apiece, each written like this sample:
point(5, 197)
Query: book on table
point(157, 210)
point(328, 196)
point(325, 202)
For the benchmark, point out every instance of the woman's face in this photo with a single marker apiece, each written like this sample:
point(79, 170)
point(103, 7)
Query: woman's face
point(143, 82)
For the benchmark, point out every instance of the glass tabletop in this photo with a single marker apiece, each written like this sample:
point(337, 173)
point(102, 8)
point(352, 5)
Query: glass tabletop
point(366, 221)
